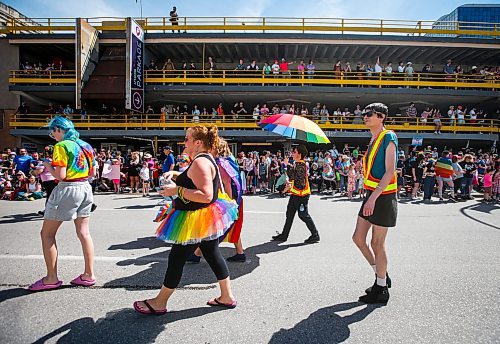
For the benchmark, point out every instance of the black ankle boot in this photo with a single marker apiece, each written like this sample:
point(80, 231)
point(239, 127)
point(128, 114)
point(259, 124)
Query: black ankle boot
point(388, 281)
point(280, 237)
point(314, 238)
point(377, 294)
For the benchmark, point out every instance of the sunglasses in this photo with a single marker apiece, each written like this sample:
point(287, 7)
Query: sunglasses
point(369, 113)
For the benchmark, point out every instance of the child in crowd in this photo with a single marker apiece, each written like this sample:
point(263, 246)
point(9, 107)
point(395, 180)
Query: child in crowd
point(115, 174)
point(361, 184)
point(263, 174)
point(488, 184)
point(144, 175)
point(351, 181)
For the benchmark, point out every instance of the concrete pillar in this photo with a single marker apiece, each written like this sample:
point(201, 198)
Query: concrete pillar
point(9, 55)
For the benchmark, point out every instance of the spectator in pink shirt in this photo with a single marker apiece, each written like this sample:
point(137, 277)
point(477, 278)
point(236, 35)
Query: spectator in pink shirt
point(48, 180)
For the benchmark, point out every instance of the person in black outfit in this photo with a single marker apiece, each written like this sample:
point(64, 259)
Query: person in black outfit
point(174, 19)
point(299, 199)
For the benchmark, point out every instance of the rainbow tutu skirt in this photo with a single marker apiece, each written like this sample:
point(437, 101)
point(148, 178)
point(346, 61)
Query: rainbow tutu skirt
point(186, 227)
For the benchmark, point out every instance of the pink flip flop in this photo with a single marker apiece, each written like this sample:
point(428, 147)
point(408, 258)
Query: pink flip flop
point(40, 286)
point(216, 303)
point(82, 283)
point(150, 310)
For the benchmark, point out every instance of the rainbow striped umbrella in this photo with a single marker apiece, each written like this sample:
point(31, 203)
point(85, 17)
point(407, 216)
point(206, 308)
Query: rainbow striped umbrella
point(294, 127)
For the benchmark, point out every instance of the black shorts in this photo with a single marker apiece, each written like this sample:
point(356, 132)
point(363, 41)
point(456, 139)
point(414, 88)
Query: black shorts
point(250, 173)
point(385, 212)
point(263, 178)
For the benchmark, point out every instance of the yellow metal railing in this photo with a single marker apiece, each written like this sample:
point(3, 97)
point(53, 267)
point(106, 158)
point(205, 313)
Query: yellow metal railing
point(44, 77)
point(264, 24)
point(323, 78)
point(229, 121)
point(319, 78)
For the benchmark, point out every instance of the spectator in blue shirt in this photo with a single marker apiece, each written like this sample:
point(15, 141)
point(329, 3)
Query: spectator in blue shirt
point(169, 162)
point(22, 162)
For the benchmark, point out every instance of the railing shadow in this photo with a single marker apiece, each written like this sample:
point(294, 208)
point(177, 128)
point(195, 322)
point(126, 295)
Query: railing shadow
point(16, 218)
point(153, 276)
point(324, 325)
point(122, 325)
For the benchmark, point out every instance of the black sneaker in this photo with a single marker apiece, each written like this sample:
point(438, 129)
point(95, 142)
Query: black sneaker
point(93, 207)
point(312, 239)
point(280, 237)
point(377, 294)
point(387, 280)
point(193, 259)
point(240, 258)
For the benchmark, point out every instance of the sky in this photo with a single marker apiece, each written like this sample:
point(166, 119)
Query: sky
point(378, 9)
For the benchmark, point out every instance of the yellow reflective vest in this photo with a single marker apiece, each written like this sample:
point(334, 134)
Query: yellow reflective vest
point(301, 192)
point(370, 182)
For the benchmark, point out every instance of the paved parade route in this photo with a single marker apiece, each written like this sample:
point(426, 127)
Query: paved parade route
point(444, 263)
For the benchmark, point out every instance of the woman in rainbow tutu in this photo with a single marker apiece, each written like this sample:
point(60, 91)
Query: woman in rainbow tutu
point(232, 182)
point(199, 216)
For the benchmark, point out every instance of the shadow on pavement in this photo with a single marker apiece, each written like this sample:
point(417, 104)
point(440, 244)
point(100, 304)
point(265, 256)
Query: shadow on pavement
point(122, 326)
point(20, 218)
point(483, 208)
point(145, 242)
point(13, 293)
point(324, 325)
point(193, 273)
point(145, 206)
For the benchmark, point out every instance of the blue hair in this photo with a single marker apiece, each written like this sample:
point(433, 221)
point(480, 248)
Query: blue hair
point(65, 125)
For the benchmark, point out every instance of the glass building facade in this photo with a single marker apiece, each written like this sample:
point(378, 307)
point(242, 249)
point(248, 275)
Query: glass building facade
point(470, 17)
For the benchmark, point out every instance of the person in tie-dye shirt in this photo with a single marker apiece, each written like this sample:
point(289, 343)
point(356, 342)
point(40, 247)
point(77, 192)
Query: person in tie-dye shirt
point(73, 162)
point(75, 157)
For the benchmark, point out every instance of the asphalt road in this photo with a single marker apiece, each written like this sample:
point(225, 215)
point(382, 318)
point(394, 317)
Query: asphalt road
point(444, 260)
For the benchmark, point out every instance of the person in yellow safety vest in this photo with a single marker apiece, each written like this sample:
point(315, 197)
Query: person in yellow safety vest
point(299, 199)
point(380, 208)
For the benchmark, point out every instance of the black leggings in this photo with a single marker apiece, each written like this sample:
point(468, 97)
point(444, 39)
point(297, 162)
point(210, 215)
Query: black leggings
point(180, 253)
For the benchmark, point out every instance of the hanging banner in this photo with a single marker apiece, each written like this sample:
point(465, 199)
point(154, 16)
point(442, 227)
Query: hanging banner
point(417, 141)
point(134, 88)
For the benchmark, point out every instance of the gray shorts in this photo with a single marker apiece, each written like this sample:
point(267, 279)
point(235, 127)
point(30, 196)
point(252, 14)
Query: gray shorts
point(439, 178)
point(68, 201)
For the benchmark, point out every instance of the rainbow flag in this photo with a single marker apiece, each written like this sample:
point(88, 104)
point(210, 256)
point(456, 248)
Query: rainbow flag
point(444, 168)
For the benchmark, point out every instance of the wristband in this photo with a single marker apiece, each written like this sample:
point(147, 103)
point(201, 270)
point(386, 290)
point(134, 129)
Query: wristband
point(180, 194)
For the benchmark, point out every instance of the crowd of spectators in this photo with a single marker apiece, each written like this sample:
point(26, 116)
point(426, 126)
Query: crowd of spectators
point(308, 69)
point(320, 113)
point(323, 113)
point(333, 171)
point(341, 172)
point(35, 68)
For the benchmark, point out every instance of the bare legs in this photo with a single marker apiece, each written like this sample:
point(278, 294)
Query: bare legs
point(49, 247)
point(82, 225)
point(376, 255)
point(239, 247)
